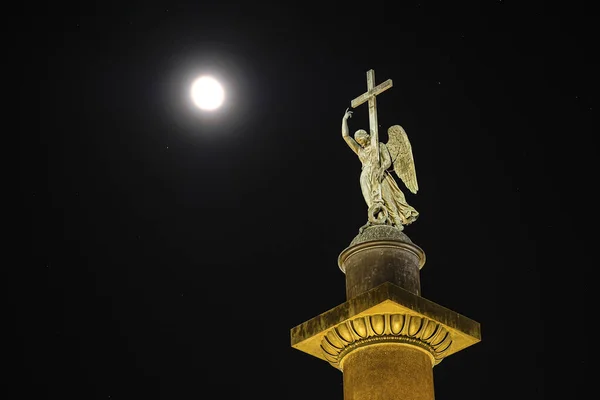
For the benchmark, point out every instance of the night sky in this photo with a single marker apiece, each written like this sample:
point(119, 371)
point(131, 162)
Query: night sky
point(165, 252)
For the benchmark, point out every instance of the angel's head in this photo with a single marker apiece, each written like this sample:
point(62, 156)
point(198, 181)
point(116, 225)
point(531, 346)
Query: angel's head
point(362, 137)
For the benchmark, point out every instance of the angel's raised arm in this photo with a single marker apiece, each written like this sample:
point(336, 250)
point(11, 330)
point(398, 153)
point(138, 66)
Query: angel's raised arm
point(346, 133)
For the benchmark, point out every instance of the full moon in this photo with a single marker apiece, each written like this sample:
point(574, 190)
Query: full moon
point(207, 93)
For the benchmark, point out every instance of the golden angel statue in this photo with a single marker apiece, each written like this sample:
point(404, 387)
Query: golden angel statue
point(386, 202)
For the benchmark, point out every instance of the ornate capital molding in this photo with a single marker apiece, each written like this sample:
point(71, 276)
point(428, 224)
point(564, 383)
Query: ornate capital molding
point(413, 330)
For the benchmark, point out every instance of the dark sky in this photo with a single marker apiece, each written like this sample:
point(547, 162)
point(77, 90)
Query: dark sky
point(165, 253)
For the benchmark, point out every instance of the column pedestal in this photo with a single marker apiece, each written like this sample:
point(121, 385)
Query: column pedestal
point(381, 254)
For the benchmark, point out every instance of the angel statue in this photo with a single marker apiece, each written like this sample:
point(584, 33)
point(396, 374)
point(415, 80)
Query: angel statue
point(386, 202)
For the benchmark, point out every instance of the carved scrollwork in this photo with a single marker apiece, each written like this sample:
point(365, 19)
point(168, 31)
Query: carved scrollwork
point(386, 328)
point(377, 214)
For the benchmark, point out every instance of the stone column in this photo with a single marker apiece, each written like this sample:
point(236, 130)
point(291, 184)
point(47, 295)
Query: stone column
point(386, 338)
point(389, 368)
point(387, 356)
point(388, 371)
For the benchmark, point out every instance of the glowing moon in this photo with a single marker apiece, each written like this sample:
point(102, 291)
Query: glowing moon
point(207, 93)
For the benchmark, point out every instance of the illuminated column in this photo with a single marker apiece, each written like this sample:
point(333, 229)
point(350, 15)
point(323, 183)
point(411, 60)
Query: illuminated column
point(385, 338)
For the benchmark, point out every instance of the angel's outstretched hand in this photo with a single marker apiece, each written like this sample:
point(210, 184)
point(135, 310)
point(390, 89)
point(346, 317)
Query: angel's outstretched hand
point(348, 113)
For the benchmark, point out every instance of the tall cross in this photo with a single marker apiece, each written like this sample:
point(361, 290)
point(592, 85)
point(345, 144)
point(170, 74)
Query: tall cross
point(369, 96)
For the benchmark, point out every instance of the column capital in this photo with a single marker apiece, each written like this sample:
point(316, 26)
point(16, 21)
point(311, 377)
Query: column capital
point(404, 329)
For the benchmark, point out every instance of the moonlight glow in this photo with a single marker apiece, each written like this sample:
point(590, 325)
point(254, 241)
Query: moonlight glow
point(207, 93)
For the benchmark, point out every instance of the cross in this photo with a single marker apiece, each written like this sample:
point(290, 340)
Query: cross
point(369, 96)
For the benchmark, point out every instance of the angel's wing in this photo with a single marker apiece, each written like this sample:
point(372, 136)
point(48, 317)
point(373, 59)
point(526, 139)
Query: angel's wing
point(402, 157)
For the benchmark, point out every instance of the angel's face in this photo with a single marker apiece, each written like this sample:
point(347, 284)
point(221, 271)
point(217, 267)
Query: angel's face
point(361, 137)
